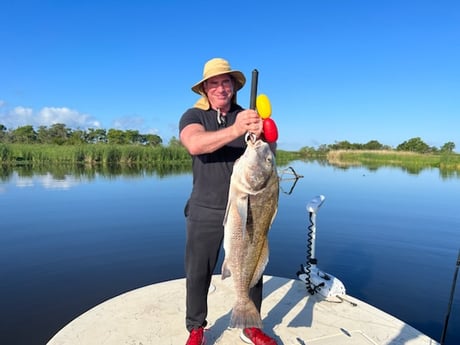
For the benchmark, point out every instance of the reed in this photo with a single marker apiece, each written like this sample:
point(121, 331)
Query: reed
point(410, 160)
point(13, 154)
point(283, 158)
point(176, 155)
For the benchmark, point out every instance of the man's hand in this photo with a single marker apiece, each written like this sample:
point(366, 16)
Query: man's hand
point(248, 121)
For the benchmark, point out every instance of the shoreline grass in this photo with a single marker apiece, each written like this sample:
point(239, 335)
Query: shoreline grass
point(138, 155)
point(447, 163)
point(89, 154)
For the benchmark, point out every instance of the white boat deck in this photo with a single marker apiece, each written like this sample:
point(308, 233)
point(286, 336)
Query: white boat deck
point(155, 315)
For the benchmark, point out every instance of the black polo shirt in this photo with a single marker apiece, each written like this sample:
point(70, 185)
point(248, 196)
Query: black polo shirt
point(212, 171)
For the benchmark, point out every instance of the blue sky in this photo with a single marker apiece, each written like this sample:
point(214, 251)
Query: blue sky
point(385, 70)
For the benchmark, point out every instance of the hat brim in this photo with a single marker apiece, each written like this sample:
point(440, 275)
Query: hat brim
point(238, 77)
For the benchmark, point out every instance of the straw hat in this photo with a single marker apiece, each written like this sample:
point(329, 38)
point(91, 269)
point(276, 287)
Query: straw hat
point(215, 67)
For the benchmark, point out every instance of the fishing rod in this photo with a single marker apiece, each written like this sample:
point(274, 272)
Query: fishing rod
point(254, 82)
point(252, 101)
point(262, 105)
point(452, 291)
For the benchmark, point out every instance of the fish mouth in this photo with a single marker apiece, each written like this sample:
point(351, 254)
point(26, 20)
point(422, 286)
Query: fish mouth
point(252, 140)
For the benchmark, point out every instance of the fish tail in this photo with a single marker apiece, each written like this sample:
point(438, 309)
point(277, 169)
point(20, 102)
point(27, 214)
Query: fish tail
point(245, 315)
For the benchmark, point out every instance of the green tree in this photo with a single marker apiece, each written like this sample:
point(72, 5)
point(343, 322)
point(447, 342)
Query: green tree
point(59, 133)
point(448, 147)
point(414, 145)
point(373, 145)
point(25, 135)
point(132, 136)
point(96, 135)
point(116, 136)
point(77, 137)
point(3, 133)
point(341, 145)
point(174, 142)
point(307, 151)
point(43, 135)
point(153, 139)
point(323, 148)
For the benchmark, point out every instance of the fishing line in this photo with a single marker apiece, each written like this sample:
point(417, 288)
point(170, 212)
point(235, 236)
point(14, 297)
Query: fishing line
point(449, 307)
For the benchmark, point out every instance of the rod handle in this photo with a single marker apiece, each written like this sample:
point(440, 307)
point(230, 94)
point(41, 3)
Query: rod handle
point(254, 81)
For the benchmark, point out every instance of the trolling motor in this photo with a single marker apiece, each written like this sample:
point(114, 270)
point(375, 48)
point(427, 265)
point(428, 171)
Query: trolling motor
point(316, 280)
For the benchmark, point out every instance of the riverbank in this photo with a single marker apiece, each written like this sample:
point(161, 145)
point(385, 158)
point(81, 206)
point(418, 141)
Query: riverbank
point(411, 161)
point(176, 155)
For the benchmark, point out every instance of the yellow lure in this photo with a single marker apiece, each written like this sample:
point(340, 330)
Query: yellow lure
point(264, 108)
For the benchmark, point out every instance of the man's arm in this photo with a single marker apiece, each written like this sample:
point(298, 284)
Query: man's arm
point(199, 141)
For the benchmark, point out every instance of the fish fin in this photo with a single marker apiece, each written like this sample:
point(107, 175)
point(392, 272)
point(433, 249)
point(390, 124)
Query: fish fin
point(245, 315)
point(242, 209)
point(225, 270)
point(261, 264)
point(274, 216)
point(228, 208)
point(241, 204)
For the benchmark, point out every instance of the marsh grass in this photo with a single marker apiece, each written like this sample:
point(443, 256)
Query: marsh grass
point(13, 154)
point(176, 158)
point(410, 161)
point(90, 154)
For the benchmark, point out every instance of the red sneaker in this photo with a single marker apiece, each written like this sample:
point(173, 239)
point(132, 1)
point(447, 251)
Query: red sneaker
point(255, 336)
point(196, 337)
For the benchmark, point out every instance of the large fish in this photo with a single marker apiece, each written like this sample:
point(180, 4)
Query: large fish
point(251, 209)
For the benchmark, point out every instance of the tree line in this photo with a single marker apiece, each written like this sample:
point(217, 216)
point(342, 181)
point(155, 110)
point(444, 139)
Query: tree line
point(60, 134)
point(412, 145)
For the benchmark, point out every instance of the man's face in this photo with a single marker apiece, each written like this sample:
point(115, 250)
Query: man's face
point(219, 90)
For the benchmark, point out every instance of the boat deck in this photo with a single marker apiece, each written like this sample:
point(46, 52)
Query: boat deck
point(154, 314)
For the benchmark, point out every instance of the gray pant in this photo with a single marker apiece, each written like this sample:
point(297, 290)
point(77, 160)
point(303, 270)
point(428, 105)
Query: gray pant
point(205, 234)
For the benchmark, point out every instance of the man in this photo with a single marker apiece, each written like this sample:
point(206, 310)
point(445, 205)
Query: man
point(213, 132)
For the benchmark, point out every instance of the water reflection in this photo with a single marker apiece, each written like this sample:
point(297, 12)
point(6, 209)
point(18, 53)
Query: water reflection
point(66, 178)
point(47, 181)
point(410, 167)
point(62, 172)
point(75, 172)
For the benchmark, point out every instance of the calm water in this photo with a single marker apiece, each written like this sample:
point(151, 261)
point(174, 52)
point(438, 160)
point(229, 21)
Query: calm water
point(68, 243)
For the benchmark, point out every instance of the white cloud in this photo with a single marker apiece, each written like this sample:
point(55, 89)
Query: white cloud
point(152, 131)
point(19, 116)
point(71, 118)
point(134, 123)
point(47, 116)
point(23, 113)
point(128, 122)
